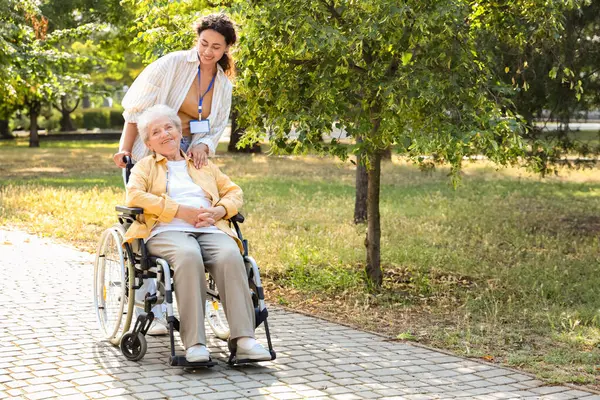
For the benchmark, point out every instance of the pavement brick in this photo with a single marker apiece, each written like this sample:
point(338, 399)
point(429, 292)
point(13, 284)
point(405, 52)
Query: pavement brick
point(286, 396)
point(149, 395)
point(66, 391)
point(220, 396)
point(92, 388)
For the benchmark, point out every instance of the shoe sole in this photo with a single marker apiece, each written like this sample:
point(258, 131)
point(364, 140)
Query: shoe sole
point(199, 360)
point(253, 358)
point(158, 333)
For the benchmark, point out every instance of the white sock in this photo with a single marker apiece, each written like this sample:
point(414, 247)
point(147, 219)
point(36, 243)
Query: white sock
point(246, 342)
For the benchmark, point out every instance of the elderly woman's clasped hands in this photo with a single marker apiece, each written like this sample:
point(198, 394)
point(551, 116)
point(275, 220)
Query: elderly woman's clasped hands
point(201, 217)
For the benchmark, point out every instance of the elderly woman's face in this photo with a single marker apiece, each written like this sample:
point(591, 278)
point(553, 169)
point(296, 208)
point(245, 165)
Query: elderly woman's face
point(163, 136)
point(211, 46)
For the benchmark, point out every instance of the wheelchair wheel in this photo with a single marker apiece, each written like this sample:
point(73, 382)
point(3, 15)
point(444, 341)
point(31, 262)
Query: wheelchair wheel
point(112, 285)
point(215, 316)
point(134, 346)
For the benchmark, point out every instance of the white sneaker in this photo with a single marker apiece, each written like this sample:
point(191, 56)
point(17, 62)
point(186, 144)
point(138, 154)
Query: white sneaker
point(158, 328)
point(197, 353)
point(256, 353)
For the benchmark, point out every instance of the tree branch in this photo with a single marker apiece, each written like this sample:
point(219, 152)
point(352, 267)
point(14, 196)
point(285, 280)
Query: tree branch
point(301, 62)
point(75, 106)
point(334, 13)
point(358, 68)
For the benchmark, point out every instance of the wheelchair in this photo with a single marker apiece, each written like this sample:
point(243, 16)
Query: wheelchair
point(120, 269)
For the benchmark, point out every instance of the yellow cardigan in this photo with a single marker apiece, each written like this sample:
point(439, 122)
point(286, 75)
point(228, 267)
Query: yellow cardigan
point(147, 189)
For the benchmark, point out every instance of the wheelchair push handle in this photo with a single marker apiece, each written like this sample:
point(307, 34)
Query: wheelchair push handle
point(239, 218)
point(128, 166)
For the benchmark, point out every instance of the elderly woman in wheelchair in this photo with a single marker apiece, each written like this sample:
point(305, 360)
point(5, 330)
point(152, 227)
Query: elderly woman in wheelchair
point(185, 222)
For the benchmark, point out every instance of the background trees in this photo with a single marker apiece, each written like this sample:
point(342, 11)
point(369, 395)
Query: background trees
point(52, 56)
point(416, 75)
point(555, 78)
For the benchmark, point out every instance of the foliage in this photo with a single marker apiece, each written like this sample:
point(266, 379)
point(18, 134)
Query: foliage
point(57, 52)
point(413, 74)
point(418, 72)
point(163, 26)
point(553, 77)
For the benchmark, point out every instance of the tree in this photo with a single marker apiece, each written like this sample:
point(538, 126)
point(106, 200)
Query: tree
point(557, 79)
point(40, 65)
point(66, 105)
point(14, 29)
point(108, 49)
point(413, 74)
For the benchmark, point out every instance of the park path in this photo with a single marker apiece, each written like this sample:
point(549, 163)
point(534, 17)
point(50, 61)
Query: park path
point(49, 348)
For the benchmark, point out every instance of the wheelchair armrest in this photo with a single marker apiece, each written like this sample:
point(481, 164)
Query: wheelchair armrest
point(133, 211)
point(239, 218)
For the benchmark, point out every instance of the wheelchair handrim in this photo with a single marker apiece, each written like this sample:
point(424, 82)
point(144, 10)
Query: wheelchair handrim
point(103, 294)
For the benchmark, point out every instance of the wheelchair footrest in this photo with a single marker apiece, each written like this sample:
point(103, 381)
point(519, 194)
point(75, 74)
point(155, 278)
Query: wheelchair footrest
point(180, 361)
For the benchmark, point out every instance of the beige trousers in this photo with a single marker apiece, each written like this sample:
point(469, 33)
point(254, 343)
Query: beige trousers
point(189, 254)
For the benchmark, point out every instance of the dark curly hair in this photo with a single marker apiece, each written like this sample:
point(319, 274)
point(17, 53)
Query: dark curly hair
point(221, 23)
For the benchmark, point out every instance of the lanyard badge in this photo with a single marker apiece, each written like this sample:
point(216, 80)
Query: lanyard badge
point(201, 125)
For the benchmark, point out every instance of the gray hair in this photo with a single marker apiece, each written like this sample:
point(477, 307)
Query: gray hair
point(151, 114)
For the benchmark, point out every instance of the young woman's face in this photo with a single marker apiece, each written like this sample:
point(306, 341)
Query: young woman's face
point(211, 46)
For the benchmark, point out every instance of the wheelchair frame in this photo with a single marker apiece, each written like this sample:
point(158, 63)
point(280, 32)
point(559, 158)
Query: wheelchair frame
point(140, 266)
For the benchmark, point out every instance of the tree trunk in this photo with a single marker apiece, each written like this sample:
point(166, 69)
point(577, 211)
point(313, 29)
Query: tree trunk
point(362, 182)
point(86, 102)
point(4, 131)
point(66, 123)
point(34, 112)
point(236, 134)
point(373, 240)
point(386, 155)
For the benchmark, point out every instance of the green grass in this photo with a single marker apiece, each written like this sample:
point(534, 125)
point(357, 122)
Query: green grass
point(504, 267)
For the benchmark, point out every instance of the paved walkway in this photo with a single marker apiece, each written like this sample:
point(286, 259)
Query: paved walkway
point(49, 348)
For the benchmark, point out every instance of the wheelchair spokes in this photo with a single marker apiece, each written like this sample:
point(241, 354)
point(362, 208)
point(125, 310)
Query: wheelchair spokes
point(215, 316)
point(111, 285)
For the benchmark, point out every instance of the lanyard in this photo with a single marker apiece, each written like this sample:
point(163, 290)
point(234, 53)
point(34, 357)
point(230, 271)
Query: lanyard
point(202, 97)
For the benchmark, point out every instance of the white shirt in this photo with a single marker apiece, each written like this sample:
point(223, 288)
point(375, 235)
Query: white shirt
point(184, 191)
point(167, 81)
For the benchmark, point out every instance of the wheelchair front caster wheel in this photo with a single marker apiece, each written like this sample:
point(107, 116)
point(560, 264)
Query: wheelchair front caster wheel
point(134, 346)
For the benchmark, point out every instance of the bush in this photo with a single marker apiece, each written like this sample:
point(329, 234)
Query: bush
point(102, 118)
point(77, 118)
point(116, 118)
point(19, 122)
point(50, 120)
point(96, 118)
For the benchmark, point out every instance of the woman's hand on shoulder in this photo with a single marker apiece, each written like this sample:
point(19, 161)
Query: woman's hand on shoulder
point(199, 153)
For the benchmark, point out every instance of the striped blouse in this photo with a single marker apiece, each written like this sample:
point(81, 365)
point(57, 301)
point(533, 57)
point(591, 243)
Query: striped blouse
point(167, 81)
